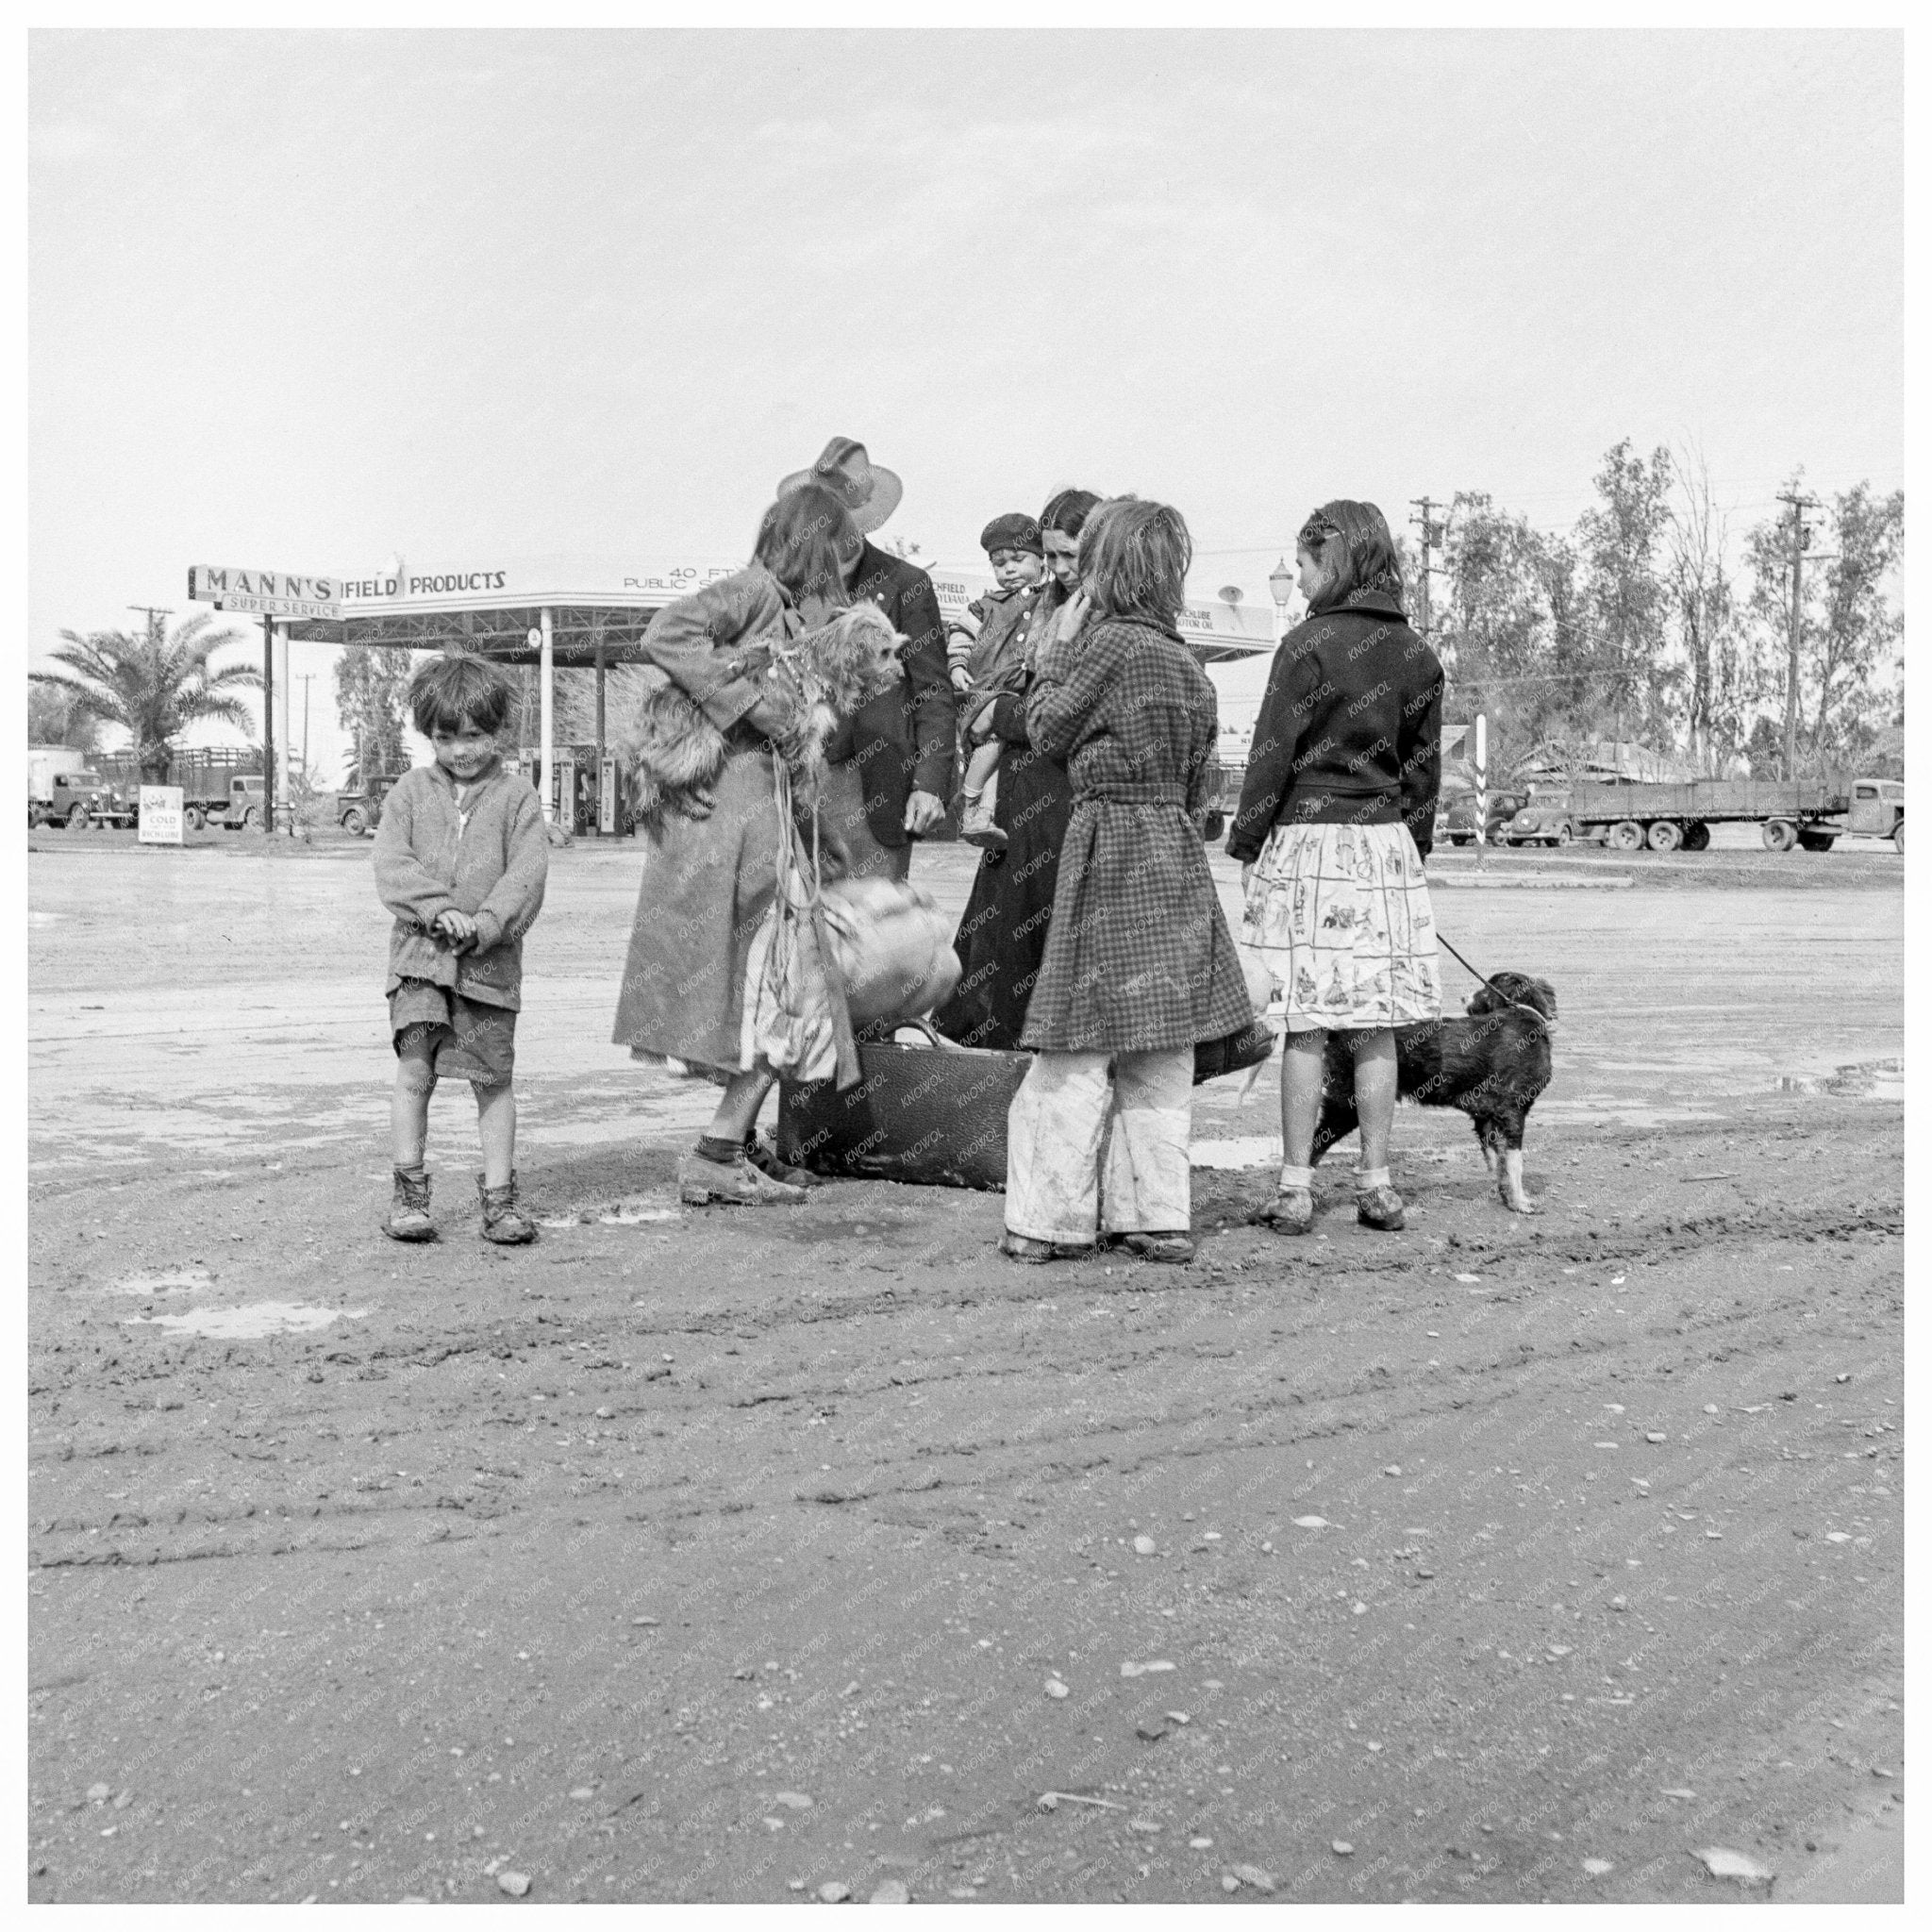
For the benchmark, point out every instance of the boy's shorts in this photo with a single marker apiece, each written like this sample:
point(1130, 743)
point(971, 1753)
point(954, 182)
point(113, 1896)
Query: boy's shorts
point(467, 1039)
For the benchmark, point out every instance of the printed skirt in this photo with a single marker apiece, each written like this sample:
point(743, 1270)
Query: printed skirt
point(1341, 914)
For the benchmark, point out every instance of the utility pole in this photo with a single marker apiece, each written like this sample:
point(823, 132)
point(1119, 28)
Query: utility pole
point(1800, 534)
point(1430, 530)
point(153, 612)
point(308, 678)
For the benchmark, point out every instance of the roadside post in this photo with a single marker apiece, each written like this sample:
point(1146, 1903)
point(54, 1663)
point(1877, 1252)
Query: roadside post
point(1482, 784)
point(161, 808)
point(268, 718)
point(546, 695)
point(282, 815)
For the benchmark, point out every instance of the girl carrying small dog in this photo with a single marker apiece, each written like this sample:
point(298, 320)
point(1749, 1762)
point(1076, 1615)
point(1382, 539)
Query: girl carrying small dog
point(696, 986)
point(1336, 816)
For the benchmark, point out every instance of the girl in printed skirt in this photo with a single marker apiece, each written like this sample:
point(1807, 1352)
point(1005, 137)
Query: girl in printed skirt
point(1335, 820)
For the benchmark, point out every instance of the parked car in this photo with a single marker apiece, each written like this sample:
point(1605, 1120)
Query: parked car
point(360, 812)
point(1457, 825)
point(1545, 821)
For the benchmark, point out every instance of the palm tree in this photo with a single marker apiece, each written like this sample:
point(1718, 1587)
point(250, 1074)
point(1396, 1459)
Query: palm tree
point(154, 684)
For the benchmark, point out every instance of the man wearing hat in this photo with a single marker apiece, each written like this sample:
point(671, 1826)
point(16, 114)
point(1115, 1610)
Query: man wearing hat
point(888, 767)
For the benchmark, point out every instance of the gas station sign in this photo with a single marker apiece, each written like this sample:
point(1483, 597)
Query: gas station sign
point(272, 593)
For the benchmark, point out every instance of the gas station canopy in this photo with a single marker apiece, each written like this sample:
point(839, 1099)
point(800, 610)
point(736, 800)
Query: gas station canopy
point(570, 613)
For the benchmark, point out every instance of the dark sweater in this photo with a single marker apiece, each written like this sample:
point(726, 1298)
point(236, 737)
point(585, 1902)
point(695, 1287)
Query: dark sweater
point(1349, 730)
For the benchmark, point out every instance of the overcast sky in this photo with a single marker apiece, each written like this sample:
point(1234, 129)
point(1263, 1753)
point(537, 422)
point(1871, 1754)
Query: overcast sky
point(304, 300)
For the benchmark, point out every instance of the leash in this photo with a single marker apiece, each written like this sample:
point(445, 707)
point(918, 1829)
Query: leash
point(1520, 1005)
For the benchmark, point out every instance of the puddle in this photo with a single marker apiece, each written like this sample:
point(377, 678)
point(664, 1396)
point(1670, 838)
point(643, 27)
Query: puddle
point(168, 1281)
point(250, 1323)
point(1237, 1151)
point(1859, 1080)
point(610, 1214)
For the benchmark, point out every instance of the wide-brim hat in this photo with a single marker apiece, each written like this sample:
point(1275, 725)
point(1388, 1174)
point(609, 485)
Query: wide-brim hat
point(868, 490)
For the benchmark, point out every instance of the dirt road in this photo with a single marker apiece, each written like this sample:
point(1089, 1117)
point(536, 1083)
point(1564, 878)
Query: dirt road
point(701, 1557)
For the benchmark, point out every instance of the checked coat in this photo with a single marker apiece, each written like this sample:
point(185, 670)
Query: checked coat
point(1138, 957)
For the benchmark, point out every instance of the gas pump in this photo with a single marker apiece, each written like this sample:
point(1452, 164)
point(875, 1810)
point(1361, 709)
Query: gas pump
point(606, 796)
point(563, 792)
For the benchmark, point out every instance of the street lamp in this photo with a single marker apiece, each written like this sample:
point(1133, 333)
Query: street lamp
point(1280, 582)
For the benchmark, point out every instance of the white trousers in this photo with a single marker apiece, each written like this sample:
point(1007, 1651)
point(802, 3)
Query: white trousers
point(1086, 1153)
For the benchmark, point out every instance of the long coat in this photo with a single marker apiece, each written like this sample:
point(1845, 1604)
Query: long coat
point(1138, 956)
point(1002, 931)
point(709, 882)
point(902, 741)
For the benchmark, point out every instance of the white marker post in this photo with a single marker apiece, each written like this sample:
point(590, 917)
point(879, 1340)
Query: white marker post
point(546, 682)
point(1482, 781)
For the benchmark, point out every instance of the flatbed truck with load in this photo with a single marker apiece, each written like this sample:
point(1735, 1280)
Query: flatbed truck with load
point(217, 785)
point(1811, 813)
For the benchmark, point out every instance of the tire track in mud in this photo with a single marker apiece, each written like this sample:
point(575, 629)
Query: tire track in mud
point(998, 1406)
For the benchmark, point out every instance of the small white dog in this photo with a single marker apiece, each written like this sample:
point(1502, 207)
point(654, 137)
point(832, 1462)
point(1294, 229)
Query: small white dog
point(676, 754)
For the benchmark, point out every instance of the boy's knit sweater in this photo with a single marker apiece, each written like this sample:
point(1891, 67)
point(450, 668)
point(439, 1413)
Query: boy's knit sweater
point(490, 860)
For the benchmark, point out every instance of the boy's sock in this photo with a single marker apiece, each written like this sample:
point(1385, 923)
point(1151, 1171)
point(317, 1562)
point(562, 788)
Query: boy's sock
point(726, 1153)
point(1292, 1177)
point(1368, 1177)
point(411, 1173)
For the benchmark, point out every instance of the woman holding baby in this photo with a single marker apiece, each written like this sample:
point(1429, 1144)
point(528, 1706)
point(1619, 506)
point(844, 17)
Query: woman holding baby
point(1002, 933)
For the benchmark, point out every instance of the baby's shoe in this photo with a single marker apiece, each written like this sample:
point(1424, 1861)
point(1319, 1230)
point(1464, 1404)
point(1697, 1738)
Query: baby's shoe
point(407, 1219)
point(503, 1222)
point(977, 826)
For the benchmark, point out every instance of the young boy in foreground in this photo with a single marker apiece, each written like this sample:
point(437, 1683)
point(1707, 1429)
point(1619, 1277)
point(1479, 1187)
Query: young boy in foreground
point(460, 860)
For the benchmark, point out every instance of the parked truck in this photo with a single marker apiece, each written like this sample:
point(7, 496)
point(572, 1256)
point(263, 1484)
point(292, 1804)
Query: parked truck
point(64, 789)
point(1811, 813)
point(207, 775)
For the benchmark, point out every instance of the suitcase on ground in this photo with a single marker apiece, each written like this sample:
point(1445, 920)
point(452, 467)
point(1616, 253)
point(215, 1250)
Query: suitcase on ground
point(932, 1113)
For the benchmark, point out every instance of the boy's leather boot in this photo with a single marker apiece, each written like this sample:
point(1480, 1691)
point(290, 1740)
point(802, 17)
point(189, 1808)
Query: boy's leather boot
point(407, 1219)
point(503, 1222)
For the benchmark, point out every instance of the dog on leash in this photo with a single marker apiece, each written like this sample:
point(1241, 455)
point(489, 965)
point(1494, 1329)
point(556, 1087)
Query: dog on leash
point(1492, 1064)
point(675, 754)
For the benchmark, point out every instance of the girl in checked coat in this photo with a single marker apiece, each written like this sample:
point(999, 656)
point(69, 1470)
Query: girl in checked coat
point(1139, 964)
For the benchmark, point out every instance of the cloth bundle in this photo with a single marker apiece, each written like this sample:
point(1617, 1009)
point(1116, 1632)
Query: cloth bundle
point(894, 949)
point(891, 960)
